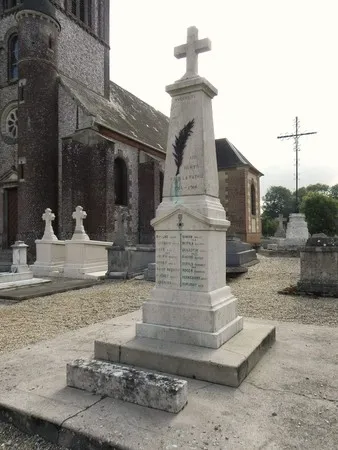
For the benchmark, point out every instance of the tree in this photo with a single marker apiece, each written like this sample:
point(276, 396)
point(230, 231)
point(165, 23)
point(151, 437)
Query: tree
point(278, 200)
point(321, 213)
point(334, 191)
point(318, 187)
point(269, 226)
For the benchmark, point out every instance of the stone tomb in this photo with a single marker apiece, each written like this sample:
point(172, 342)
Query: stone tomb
point(190, 325)
point(319, 266)
point(239, 255)
point(50, 252)
point(125, 261)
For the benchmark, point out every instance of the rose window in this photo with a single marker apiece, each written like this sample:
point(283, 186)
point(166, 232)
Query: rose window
point(12, 123)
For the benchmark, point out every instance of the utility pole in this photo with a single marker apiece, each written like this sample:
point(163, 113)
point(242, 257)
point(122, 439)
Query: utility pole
point(296, 137)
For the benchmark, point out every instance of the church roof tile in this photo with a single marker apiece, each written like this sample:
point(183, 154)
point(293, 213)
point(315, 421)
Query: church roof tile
point(124, 113)
point(229, 157)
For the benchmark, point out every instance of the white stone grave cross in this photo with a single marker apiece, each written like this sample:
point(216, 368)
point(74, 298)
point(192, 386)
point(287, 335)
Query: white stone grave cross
point(190, 50)
point(48, 217)
point(79, 233)
point(280, 232)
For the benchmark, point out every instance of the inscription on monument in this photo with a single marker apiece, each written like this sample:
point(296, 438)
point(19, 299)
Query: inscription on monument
point(167, 259)
point(193, 254)
point(181, 260)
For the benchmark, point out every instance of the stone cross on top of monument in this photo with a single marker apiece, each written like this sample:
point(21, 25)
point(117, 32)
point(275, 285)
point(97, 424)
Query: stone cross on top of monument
point(190, 50)
point(79, 233)
point(48, 216)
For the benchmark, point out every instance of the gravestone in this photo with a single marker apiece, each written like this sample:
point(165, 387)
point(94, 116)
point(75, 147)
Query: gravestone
point(126, 261)
point(297, 232)
point(79, 232)
point(319, 266)
point(19, 269)
point(48, 216)
point(239, 255)
point(280, 232)
point(50, 252)
point(20, 258)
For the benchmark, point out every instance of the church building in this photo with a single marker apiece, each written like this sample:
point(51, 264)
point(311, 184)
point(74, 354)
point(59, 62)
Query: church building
point(69, 136)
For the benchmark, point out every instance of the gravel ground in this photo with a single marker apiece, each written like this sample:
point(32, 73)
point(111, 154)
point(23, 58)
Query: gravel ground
point(33, 320)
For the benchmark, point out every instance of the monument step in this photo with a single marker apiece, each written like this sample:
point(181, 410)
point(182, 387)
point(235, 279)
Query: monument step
point(125, 383)
point(228, 365)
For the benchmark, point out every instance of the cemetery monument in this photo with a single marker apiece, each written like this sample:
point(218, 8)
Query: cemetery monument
point(191, 326)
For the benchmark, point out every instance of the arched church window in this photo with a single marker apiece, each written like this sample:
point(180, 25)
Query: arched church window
point(253, 200)
point(13, 57)
point(120, 182)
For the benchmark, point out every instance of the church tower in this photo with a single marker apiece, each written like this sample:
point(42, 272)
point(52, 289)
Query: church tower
point(38, 33)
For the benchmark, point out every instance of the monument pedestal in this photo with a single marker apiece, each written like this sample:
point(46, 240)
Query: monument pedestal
point(228, 365)
point(297, 232)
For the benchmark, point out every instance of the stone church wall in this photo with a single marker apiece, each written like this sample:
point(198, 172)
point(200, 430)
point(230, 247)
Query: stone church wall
point(149, 197)
point(68, 117)
point(8, 94)
point(88, 180)
point(232, 184)
point(8, 147)
point(8, 25)
point(81, 56)
point(131, 157)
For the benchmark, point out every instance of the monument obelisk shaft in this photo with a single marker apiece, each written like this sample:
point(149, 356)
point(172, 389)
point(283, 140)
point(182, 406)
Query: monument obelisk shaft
point(191, 303)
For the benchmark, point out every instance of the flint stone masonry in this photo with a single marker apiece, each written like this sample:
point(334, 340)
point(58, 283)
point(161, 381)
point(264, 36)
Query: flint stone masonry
point(128, 384)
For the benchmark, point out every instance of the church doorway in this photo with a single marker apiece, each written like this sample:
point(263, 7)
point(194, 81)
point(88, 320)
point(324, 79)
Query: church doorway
point(10, 216)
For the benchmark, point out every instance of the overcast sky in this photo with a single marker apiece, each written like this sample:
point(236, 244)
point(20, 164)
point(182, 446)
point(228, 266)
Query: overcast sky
point(271, 60)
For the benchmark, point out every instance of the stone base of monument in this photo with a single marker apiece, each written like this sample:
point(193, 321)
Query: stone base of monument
point(127, 262)
point(297, 232)
point(228, 365)
point(125, 383)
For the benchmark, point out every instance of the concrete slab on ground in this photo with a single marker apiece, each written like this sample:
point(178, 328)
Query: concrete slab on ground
point(19, 284)
point(288, 401)
point(41, 290)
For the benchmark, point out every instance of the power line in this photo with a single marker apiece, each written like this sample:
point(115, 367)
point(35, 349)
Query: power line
point(296, 137)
